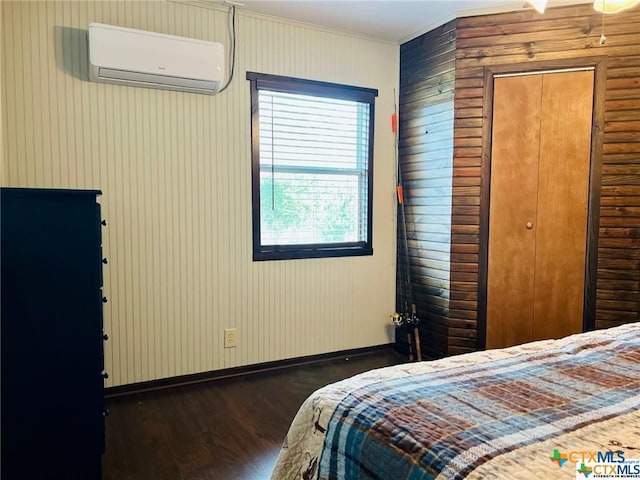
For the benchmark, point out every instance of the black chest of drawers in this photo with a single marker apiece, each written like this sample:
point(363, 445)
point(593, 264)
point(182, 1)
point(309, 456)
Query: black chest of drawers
point(51, 334)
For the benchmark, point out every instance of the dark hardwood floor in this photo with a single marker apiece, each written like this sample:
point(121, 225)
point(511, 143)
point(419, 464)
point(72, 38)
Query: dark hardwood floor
point(227, 429)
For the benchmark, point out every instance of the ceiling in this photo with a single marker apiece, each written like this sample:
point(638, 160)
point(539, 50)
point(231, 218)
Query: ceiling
point(394, 20)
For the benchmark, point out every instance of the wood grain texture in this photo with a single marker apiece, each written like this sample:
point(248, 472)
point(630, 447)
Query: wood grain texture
point(563, 36)
point(569, 34)
point(517, 116)
point(426, 159)
point(223, 429)
point(563, 187)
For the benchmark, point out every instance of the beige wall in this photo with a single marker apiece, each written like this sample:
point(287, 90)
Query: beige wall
point(175, 173)
point(3, 153)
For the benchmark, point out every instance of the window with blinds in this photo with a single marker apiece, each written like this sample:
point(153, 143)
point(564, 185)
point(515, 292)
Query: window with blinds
point(312, 149)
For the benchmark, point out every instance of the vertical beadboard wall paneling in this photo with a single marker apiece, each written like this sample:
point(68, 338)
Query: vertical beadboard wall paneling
point(426, 160)
point(560, 34)
point(3, 109)
point(175, 171)
point(3, 153)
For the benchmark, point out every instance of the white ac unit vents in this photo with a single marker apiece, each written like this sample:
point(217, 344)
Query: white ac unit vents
point(154, 60)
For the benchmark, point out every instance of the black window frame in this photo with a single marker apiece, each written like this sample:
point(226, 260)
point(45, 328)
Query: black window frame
point(292, 85)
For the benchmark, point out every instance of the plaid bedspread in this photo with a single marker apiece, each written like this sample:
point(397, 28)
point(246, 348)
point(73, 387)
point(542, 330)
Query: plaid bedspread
point(447, 422)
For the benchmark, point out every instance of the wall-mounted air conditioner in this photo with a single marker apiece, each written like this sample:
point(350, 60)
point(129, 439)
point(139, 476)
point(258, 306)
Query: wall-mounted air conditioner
point(154, 60)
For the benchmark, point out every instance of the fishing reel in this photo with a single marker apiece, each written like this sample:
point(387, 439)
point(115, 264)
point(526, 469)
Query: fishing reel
point(410, 319)
point(412, 322)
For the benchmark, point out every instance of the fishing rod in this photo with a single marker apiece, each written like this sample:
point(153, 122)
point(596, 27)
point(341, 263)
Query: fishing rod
point(408, 317)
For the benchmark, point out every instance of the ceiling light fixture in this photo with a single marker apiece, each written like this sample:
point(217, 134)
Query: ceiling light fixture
point(613, 6)
point(601, 6)
point(540, 5)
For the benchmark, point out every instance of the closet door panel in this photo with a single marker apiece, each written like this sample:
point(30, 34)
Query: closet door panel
point(563, 185)
point(514, 180)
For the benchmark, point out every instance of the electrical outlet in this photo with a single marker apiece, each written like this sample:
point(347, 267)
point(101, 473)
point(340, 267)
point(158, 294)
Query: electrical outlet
point(230, 337)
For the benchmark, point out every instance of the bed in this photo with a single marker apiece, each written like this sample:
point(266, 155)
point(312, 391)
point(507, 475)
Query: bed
point(545, 410)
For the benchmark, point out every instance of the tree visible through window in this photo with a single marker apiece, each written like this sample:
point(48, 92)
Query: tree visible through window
point(312, 145)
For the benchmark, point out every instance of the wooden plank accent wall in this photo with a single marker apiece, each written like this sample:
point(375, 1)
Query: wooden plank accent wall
point(426, 160)
point(571, 35)
point(565, 33)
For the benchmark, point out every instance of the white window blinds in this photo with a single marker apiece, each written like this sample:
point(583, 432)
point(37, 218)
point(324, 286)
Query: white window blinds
point(312, 168)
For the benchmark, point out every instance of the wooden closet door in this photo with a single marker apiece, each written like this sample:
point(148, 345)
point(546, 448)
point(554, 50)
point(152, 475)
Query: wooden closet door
point(541, 145)
point(514, 183)
point(563, 186)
